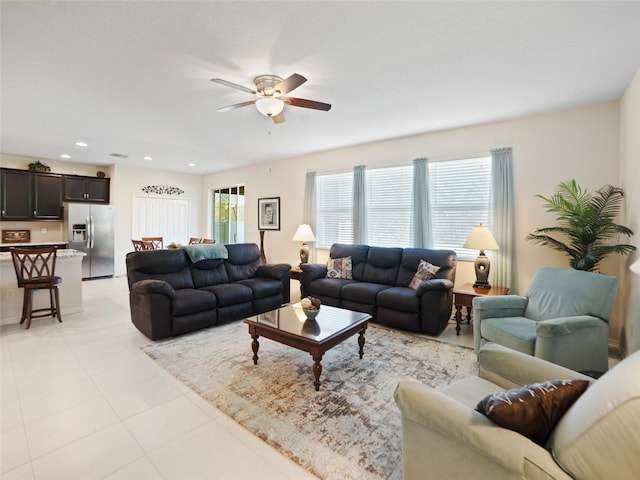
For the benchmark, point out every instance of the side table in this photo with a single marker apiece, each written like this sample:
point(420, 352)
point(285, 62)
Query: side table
point(464, 295)
point(296, 274)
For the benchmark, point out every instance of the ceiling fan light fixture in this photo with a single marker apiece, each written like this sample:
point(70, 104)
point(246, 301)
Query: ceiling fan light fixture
point(269, 106)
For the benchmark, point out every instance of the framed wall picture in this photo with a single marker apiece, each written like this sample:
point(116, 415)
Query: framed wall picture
point(269, 213)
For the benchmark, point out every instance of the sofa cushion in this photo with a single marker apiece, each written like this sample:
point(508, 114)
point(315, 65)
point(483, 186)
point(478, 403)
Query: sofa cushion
point(263, 287)
point(329, 287)
point(532, 410)
point(188, 301)
point(230, 293)
point(425, 272)
point(598, 436)
point(399, 298)
point(243, 261)
point(209, 272)
point(170, 266)
point(358, 254)
point(517, 333)
point(445, 259)
point(362, 292)
point(382, 265)
point(339, 268)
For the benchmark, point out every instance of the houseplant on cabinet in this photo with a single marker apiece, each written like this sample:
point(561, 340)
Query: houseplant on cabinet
point(38, 166)
point(587, 221)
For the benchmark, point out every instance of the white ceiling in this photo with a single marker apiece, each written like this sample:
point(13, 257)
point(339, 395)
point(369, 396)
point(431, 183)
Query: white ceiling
point(133, 77)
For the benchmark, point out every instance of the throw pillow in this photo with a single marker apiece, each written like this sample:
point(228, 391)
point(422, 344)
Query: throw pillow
point(533, 410)
point(339, 268)
point(425, 271)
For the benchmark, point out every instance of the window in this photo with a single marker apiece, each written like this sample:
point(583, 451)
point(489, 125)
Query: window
point(334, 212)
point(459, 192)
point(389, 216)
point(228, 215)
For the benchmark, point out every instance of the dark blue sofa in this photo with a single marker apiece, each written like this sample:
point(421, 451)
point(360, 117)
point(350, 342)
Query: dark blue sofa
point(380, 286)
point(170, 295)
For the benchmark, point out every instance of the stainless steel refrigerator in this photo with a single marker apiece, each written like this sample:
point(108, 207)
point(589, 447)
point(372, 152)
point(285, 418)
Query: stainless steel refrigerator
point(90, 230)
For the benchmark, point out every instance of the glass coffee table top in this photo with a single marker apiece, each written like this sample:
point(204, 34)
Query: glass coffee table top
point(291, 319)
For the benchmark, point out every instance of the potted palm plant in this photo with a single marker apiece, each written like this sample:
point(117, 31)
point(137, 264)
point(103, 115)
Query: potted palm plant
point(586, 221)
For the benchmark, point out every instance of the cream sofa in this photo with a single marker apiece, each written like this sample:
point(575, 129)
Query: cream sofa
point(444, 437)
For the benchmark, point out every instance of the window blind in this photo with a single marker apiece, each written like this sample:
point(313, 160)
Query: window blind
point(334, 209)
point(389, 218)
point(460, 193)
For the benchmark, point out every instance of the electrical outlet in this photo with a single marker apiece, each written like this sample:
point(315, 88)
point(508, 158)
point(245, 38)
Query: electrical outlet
point(11, 293)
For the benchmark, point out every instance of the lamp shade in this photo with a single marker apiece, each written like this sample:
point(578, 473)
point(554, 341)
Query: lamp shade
point(304, 234)
point(481, 238)
point(269, 106)
point(635, 267)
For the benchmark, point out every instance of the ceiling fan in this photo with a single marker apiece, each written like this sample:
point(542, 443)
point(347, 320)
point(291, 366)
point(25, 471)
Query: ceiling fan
point(271, 91)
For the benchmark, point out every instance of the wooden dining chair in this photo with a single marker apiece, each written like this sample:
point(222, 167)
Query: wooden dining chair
point(156, 241)
point(35, 270)
point(139, 245)
point(208, 240)
point(193, 240)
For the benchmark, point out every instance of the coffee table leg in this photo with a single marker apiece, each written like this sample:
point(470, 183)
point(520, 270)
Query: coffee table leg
point(317, 371)
point(254, 346)
point(458, 318)
point(361, 342)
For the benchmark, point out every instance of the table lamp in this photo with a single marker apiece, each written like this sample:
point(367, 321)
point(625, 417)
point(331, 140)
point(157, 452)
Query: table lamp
point(304, 234)
point(481, 239)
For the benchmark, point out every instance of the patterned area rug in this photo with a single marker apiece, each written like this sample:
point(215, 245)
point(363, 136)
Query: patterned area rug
point(350, 429)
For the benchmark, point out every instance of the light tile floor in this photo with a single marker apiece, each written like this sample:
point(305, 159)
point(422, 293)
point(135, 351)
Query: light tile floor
point(80, 400)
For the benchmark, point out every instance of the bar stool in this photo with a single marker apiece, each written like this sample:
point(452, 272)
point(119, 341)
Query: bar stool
point(35, 270)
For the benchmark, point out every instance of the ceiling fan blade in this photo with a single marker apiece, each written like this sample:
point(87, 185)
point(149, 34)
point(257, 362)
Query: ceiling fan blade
point(279, 118)
point(233, 85)
point(236, 105)
point(289, 84)
point(304, 103)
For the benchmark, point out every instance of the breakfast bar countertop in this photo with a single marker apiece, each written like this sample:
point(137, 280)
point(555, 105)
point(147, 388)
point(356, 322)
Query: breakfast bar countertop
point(62, 253)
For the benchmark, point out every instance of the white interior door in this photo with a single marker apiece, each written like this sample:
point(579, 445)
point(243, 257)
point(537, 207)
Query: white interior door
point(161, 217)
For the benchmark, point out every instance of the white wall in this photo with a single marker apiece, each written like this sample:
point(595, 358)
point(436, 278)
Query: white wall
point(630, 174)
point(127, 182)
point(581, 144)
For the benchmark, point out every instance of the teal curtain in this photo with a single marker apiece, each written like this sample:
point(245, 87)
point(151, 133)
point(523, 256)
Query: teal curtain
point(503, 266)
point(309, 210)
point(359, 205)
point(422, 232)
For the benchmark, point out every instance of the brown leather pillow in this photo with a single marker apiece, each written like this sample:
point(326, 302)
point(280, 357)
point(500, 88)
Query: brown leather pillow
point(533, 410)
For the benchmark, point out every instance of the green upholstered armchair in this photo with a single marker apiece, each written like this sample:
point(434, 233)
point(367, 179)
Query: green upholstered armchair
point(563, 318)
point(444, 437)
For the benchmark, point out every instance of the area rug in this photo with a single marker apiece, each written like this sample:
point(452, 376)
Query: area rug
point(350, 429)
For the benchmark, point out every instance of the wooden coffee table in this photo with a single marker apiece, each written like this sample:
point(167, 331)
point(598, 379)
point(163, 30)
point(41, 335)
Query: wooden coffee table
point(288, 325)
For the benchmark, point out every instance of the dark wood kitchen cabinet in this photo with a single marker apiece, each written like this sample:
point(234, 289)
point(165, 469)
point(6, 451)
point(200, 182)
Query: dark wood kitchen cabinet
point(86, 189)
point(16, 194)
point(47, 196)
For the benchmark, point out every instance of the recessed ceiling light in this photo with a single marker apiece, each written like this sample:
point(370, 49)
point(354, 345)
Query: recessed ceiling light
point(148, 158)
point(81, 144)
point(64, 155)
point(191, 164)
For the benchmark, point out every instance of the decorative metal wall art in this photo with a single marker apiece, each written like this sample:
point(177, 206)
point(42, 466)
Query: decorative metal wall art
point(162, 190)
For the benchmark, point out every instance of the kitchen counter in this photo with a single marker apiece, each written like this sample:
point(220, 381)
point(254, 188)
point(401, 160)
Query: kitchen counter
point(4, 247)
point(68, 266)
